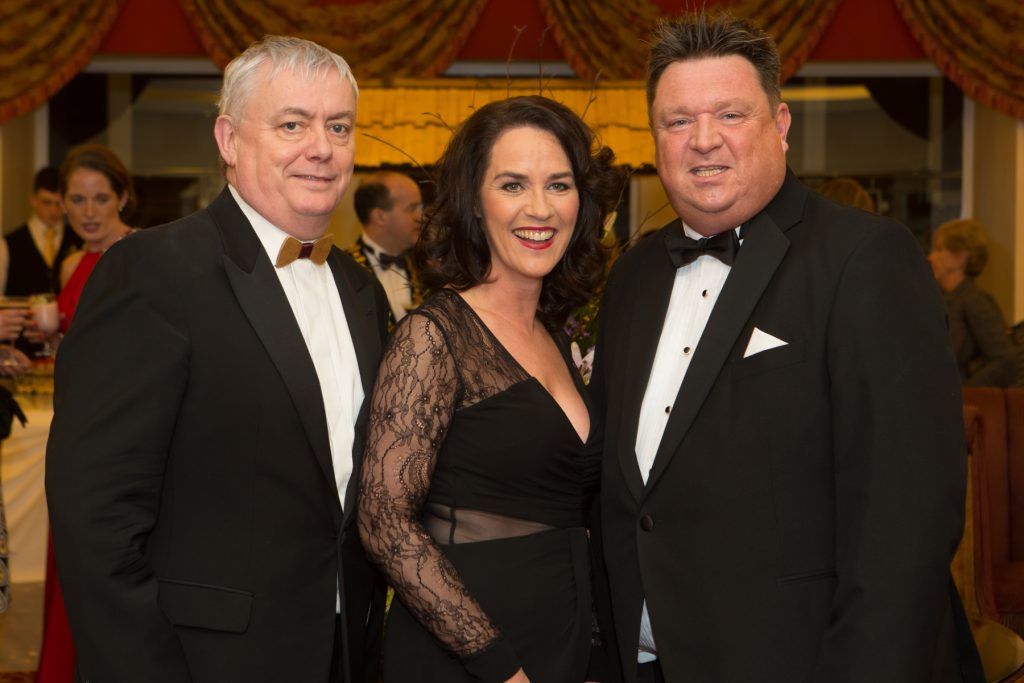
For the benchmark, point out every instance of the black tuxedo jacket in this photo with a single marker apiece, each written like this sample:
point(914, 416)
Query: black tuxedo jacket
point(198, 531)
point(805, 502)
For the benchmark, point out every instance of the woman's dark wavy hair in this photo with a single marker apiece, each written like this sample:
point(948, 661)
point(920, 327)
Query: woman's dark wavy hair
point(452, 249)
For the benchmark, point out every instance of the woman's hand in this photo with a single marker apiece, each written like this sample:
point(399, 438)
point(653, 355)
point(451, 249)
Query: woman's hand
point(12, 322)
point(518, 677)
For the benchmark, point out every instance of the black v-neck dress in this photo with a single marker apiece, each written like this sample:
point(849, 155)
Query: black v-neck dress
point(457, 425)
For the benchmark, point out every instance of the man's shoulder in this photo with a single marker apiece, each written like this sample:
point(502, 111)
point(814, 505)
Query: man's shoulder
point(182, 245)
point(645, 249)
point(18, 234)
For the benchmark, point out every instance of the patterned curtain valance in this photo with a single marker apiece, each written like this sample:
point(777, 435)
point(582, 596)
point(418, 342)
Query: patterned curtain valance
point(978, 44)
point(44, 44)
point(600, 36)
point(381, 39)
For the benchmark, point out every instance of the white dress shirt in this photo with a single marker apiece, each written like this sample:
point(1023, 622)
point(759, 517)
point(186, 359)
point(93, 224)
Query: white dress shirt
point(313, 296)
point(694, 293)
point(393, 279)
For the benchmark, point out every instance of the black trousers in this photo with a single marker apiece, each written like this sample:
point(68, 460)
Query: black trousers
point(338, 658)
point(649, 673)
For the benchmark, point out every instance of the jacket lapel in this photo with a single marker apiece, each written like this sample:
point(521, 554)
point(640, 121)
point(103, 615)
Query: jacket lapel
point(361, 315)
point(652, 298)
point(764, 246)
point(261, 297)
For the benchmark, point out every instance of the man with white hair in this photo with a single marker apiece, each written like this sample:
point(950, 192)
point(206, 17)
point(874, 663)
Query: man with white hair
point(210, 403)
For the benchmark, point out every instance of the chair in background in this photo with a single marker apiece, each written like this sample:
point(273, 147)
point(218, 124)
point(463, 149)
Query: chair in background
point(1001, 650)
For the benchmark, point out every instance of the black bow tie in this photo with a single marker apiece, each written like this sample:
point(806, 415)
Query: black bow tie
point(684, 250)
point(387, 260)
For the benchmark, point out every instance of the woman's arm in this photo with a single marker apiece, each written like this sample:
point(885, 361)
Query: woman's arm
point(997, 365)
point(412, 406)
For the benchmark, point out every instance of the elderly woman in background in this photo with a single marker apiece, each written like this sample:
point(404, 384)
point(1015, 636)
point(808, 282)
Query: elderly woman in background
point(96, 190)
point(483, 455)
point(977, 330)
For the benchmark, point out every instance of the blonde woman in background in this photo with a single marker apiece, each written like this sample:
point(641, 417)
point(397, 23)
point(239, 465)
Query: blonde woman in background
point(977, 329)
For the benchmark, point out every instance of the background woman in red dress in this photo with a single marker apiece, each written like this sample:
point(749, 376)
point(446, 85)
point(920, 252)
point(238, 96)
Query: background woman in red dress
point(97, 192)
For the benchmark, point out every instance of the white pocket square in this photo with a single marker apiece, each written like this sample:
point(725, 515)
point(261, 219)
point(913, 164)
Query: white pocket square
point(762, 341)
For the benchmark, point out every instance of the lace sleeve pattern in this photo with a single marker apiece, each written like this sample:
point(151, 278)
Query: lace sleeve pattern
point(414, 400)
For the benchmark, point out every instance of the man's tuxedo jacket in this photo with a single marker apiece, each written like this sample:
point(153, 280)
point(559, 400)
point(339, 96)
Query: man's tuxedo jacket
point(805, 501)
point(198, 531)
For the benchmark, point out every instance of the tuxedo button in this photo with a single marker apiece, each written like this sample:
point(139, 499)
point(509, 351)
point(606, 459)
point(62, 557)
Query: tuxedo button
point(704, 294)
point(668, 409)
point(646, 523)
point(686, 350)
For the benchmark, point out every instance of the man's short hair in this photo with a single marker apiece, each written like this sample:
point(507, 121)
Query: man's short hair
point(372, 193)
point(47, 178)
point(304, 58)
point(697, 35)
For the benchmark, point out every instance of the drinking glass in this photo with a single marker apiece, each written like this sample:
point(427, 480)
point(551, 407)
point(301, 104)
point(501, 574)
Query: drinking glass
point(46, 318)
point(12, 361)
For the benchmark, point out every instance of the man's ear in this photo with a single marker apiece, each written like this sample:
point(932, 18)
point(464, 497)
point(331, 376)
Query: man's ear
point(377, 216)
point(783, 119)
point(227, 139)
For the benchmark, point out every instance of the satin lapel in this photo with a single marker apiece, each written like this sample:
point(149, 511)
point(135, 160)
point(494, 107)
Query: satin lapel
point(264, 303)
point(360, 313)
point(763, 249)
point(651, 303)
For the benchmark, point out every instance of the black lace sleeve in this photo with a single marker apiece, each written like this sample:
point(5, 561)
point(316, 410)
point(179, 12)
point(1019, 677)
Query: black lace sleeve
point(413, 403)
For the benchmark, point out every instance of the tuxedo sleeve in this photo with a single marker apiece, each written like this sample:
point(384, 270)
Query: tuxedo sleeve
point(900, 465)
point(120, 377)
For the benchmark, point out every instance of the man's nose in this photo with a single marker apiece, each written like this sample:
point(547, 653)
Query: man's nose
point(706, 136)
point(319, 144)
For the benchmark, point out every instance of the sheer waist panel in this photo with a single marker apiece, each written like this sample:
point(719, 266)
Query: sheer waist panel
point(449, 526)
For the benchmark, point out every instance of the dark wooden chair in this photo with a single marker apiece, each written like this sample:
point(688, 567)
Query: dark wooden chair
point(1001, 650)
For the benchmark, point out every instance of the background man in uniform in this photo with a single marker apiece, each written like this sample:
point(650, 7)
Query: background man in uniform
point(390, 207)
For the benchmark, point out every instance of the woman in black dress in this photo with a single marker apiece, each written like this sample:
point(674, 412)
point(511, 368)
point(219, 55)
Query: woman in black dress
point(482, 459)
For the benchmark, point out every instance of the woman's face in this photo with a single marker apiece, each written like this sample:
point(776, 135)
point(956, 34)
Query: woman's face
point(946, 263)
point(92, 207)
point(529, 202)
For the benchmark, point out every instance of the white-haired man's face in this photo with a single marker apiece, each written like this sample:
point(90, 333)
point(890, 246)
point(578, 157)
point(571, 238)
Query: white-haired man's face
point(290, 150)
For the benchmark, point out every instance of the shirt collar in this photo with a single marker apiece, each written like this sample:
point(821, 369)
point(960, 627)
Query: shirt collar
point(270, 236)
point(36, 226)
point(694, 235)
point(372, 246)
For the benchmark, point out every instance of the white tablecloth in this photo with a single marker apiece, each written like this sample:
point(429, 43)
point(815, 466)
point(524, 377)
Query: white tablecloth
point(23, 455)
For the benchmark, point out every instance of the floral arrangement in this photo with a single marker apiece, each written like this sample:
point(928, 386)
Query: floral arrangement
point(581, 329)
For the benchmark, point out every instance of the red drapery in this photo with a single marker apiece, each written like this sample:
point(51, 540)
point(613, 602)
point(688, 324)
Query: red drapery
point(599, 36)
point(382, 39)
point(978, 44)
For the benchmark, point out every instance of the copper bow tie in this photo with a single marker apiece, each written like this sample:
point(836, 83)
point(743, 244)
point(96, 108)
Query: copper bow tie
point(293, 249)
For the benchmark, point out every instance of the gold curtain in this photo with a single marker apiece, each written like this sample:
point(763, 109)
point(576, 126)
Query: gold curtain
point(610, 38)
point(383, 39)
point(44, 44)
point(978, 44)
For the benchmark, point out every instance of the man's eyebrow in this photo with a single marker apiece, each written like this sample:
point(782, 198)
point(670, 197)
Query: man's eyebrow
point(295, 111)
point(347, 114)
point(303, 113)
